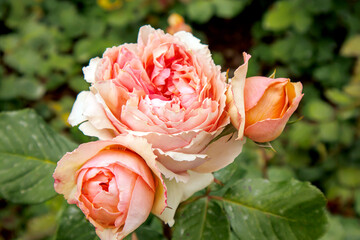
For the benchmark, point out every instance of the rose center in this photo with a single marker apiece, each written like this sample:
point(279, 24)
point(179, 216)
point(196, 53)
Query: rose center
point(104, 186)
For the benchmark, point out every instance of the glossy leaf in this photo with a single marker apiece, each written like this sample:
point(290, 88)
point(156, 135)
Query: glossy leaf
point(29, 150)
point(201, 220)
point(260, 209)
point(73, 225)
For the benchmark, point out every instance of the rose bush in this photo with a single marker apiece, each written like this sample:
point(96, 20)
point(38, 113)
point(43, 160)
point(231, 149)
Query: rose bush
point(267, 106)
point(115, 183)
point(167, 89)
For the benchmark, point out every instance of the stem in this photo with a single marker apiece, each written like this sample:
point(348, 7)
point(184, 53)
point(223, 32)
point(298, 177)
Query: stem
point(166, 231)
point(265, 159)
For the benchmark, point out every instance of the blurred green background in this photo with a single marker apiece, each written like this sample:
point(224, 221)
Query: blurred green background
point(45, 44)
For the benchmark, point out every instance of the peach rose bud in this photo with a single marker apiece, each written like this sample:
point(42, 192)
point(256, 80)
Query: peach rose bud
point(115, 183)
point(177, 23)
point(269, 103)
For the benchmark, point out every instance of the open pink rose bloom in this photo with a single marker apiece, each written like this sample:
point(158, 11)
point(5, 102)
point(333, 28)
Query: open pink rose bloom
point(167, 89)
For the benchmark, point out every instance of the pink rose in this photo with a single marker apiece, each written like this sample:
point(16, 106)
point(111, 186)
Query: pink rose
point(167, 89)
point(115, 183)
point(268, 105)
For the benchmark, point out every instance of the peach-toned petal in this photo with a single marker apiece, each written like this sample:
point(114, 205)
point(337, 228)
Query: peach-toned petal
point(65, 173)
point(142, 199)
point(114, 96)
point(269, 129)
point(237, 93)
point(144, 149)
point(255, 88)
point(70, 163)
point(271, 104)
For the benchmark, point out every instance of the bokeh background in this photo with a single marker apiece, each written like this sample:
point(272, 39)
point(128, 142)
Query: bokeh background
point(45, 43)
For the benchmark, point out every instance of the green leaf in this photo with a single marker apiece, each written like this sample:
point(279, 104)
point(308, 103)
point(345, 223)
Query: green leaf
point(200, 11)
point(335, 230)
point(349, 177)
point(200, 220)
point(73, 225)
point(229, 129)
point(29, 150)
point(357, 201)
point(302, 21)
point(319, 111)
point(278, 174)
point(351, 47)
point(260, 209)
point(280, 16)
point(13, 87)
point(329, 131)
point(229, 8)
point(338, 97)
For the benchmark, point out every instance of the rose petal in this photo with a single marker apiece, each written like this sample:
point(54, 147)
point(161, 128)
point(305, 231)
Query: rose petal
point(178, 192)
point(230, 149)
point(88, 112)
point(142, 198)
point(237, 92)
point(269, 129)
point(89, 71)
point(255, 88)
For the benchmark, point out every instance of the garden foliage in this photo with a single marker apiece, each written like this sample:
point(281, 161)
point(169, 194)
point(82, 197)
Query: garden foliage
point(263, 194)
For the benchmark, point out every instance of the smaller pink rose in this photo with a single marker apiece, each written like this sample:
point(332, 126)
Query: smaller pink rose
point(269, 103)
point(115, 183)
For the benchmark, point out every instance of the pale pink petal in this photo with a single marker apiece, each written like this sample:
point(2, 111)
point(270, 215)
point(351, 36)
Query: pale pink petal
point(221, 153)
point(178, 162)
point(179, 191)
point(168, 174)
point(237, 92)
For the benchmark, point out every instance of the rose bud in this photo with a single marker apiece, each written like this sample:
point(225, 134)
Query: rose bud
point(269, 103)
point(115, 183)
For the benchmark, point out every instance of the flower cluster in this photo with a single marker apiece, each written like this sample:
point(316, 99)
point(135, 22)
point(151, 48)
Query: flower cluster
point(157, 106)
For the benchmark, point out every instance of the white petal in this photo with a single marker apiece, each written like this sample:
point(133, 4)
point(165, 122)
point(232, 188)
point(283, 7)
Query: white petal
point(76, 116)
point(190, 41)
point(178, 192)
point(89, 71)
